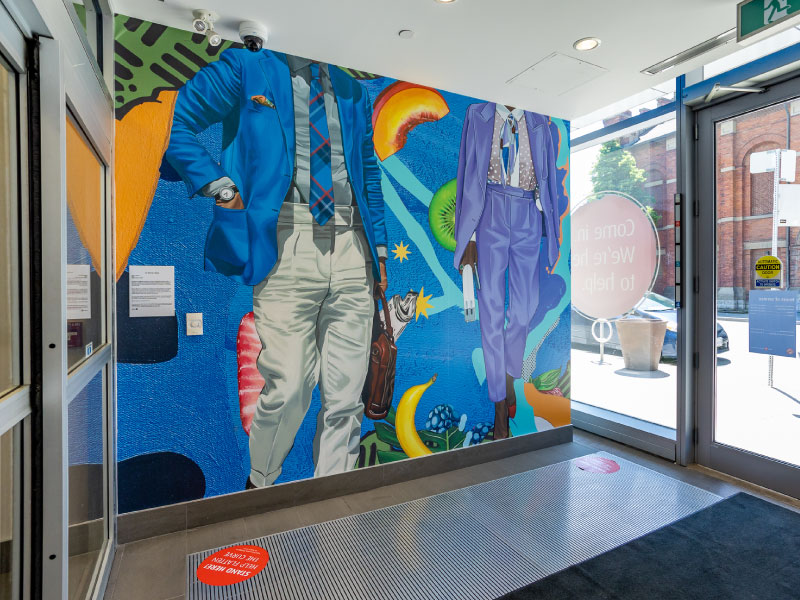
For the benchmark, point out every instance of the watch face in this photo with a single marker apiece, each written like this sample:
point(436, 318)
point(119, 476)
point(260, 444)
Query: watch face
point(226, 194)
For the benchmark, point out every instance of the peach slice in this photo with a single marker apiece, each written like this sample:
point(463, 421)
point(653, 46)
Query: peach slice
point(398, 109)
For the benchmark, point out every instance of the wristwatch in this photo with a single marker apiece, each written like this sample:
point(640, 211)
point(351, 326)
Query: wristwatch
point(226, 194)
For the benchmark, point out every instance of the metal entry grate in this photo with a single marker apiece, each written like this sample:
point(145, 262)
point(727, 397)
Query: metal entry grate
point(479, 542)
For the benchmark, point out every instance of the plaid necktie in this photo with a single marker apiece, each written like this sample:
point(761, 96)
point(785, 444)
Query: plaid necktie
point(510, 144)
point(320, 202)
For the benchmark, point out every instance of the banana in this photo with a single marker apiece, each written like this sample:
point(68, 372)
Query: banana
point(407, 434)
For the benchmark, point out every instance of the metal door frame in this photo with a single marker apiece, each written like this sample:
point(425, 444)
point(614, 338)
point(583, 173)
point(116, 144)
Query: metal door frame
point(761, 470)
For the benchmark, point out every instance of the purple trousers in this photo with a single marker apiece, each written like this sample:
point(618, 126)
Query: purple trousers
point(508, 238)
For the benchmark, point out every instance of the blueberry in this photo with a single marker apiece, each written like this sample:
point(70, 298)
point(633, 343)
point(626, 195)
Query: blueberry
point(440, 419)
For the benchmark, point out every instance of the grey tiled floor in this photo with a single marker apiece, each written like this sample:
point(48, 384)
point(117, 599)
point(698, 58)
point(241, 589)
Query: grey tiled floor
point(155, 568)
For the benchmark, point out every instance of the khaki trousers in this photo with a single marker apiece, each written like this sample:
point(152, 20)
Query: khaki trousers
point(313, 314)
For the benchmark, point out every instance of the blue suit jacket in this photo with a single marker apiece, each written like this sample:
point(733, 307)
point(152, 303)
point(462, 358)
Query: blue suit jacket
point(258, 154)
point(473, 168)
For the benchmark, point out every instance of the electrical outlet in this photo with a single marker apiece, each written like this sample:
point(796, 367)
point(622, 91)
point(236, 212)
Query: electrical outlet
point(194, 323)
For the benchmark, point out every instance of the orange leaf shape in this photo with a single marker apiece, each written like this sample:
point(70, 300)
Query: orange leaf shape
point(142, 136)
point(84, 193)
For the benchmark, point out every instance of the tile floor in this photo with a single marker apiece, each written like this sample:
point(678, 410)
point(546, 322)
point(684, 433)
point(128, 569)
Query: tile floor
point(155, 568)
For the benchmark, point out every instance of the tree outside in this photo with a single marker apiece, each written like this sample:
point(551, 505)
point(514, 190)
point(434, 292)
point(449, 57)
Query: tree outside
point(615, 171)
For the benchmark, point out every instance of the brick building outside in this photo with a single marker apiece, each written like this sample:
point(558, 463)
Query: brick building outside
point(744, 200)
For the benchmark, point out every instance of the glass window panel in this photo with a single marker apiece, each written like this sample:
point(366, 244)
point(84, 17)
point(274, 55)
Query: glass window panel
point(632, 106)
point(8, 514)
point(85, 248)
point(779, 41)
point(87, 500)
point(89, 15)
point(641, 164)
point(750, 412)
point(9, 228)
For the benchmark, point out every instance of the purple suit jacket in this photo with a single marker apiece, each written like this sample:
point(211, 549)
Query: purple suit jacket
point(473, 169)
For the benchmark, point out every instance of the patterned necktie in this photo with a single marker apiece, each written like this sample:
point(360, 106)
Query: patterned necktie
point(320, 202)
point(510, 142)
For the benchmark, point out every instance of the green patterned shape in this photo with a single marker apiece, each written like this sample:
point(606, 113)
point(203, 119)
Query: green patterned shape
point(150, 58)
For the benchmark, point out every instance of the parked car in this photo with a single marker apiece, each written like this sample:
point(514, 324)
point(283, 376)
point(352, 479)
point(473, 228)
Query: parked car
point(653, 306)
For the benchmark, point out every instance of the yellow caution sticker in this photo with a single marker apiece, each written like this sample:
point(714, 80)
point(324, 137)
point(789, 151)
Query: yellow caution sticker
point(769, 272)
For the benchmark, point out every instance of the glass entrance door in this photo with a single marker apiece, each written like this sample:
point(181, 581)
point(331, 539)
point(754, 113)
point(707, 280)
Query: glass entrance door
point(749, 201)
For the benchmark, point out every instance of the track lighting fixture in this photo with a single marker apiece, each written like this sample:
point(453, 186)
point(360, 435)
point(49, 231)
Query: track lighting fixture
point(203, 22)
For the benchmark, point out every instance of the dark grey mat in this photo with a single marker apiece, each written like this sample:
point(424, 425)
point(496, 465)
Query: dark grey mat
point(739, 549)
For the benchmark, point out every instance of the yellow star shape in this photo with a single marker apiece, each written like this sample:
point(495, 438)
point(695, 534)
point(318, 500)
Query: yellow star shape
point(401, 251)
point(422, 304)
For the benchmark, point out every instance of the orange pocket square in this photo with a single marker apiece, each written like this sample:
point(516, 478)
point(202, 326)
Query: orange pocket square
point(263, 101)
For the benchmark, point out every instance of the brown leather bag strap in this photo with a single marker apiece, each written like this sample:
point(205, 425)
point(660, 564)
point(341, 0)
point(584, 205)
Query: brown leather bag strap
point(386, 315)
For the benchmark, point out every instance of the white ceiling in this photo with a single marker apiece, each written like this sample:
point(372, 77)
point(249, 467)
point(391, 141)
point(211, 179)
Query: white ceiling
point(474, 47)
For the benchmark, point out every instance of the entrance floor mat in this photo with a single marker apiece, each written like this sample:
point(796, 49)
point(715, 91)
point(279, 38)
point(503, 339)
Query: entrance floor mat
point(478, 542)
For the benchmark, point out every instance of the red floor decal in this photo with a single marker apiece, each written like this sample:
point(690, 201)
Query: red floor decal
point(232, 565)
point(597, 464)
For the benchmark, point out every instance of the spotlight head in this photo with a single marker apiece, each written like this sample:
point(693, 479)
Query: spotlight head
point(199, 25)
point(214, 38)
point(203, 20)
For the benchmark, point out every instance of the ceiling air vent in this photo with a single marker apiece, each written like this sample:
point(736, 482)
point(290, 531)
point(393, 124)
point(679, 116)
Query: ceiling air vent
point(694, 52)
point(557, 74)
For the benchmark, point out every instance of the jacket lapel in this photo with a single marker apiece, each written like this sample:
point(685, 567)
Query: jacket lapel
point(279, 81)
point(484, 131)
point(536, 133)
point(344, 104)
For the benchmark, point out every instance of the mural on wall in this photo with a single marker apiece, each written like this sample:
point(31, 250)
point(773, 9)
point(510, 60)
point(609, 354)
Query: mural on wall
point(288, 194)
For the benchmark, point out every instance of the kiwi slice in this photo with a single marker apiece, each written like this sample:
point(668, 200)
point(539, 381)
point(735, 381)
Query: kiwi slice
point(442, 215)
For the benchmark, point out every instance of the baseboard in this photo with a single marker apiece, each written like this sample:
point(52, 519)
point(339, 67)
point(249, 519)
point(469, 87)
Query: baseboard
point(206, 511)
point(650, 437)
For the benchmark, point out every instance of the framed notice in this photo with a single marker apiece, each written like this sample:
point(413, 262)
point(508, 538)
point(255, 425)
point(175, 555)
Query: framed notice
point(152, 291)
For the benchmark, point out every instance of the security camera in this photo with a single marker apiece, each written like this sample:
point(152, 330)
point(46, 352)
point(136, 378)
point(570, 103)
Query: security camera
point(253, 35)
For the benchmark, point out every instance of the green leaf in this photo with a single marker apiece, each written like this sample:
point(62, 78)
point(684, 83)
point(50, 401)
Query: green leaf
point(547, 380)
point(455, 437)
point(387, 434)
point(435, 441)
point(565, 382)
point(390, 456)
point(390, 417)
point(439, 442)
point(150, 58)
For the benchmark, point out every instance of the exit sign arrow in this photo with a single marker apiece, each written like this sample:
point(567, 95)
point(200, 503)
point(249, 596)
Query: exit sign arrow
point(756, 16)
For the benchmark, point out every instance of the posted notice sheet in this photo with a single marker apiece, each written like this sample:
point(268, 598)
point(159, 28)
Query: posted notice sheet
point(773, 318)
point(152, 291)
point(79, 292)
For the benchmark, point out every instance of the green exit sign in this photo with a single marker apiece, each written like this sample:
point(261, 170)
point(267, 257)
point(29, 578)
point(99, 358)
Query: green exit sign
point(756, 16)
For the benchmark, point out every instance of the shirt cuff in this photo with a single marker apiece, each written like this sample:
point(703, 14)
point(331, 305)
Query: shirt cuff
point(212, 189)
point(382, 251)
point(474, 238)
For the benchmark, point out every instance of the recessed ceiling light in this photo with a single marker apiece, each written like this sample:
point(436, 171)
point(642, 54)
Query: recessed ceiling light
point(406, 34)
point(586, 44)
point(445, 1)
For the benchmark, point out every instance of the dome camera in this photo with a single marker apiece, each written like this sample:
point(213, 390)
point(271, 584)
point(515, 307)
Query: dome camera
point(253, 35)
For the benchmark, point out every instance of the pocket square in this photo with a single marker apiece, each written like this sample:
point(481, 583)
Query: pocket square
point(263, 101)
